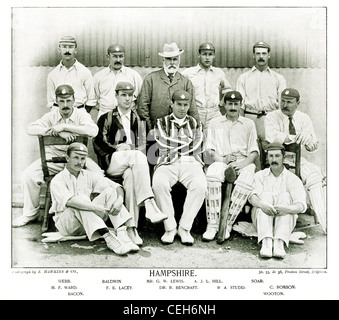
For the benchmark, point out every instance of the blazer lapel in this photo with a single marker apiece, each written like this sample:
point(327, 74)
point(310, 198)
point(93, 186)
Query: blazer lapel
point(164, 77)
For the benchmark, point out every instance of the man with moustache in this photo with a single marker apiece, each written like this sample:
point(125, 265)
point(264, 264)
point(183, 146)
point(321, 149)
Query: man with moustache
point(289, 125)
point(106, 79)
point(64, 121)
point(70, 71)
point(232, 143)
point(209, 83)
point(120, 146)
point(154, 100)
point(260, 87)
point(278, 197)
point(76, 214)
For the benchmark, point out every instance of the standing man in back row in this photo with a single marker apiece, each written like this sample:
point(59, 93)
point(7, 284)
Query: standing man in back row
point(209, 84)
point(70, 71)
point(106, 79)
point(260, 87)
point(154, 100)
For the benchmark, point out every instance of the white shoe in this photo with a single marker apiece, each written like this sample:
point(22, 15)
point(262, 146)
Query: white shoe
point(125, 239)
point(23, 220)
point(266, 248)
point(185, 236)
point(210, 233)
point(168, 236)
point(114, 243)
point(153, 213)
point(134, 236)
point(278, 249)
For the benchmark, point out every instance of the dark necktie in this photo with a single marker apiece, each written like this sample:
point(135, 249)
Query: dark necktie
point(170, 76)
point(291, 126)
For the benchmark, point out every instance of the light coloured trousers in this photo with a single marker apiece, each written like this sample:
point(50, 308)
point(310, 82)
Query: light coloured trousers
point(75, 222)
point(133, 166)
point(279, 227)
point(32, 178)
point(192, 176)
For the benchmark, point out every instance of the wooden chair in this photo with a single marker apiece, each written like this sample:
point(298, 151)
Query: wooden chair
point(45, 141)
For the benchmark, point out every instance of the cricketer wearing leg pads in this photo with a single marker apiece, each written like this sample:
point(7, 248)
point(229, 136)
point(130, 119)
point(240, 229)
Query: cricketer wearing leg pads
point(232, 144)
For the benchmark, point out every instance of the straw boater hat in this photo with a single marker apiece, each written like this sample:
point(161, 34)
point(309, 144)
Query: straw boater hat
point(170, 50)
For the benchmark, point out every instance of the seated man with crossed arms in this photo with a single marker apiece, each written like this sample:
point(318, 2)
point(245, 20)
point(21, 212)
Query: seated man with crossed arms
point(277, 198)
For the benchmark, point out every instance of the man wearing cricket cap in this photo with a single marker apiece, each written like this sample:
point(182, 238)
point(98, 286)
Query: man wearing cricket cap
point(278, 197)
point(76, 214)
point(232, 144)
point(120, 148)
point(154, 100)
point(180, 139)
point(66, 122)
point(106, 79)
point(260, 87)
point(70, 71)
point(209, 84)
point(289, 125)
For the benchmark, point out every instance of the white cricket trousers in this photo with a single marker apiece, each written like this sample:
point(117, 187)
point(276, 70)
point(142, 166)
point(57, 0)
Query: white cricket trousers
point(75, 222)
point(133, 166)
point(192, 176)
point(280, 227)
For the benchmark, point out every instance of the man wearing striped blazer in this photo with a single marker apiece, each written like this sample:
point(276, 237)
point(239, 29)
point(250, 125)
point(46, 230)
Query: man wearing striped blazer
point(180, 140)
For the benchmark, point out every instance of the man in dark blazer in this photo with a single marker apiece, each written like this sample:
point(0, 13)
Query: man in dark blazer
point(154, 99)
point(120, 146)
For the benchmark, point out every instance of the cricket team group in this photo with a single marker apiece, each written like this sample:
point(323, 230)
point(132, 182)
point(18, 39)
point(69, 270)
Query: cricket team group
point(170, 127)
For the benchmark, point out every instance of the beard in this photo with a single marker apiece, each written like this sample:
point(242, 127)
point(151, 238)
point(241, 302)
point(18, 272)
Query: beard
point(171, 69)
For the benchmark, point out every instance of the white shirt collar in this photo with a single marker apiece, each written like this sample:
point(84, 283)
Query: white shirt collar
point(126, 115)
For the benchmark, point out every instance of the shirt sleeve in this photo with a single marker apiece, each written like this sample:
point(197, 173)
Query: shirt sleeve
point(240, 87)
point(274, 128)
point(252, 139)
point(60, 194)
point(89, 87)
point(224, 84)
point(193, 110)
point(307, 126)
point(40, 126)
point(258, 183)
point(297, 191)
point(85, 119)
point(211, 138)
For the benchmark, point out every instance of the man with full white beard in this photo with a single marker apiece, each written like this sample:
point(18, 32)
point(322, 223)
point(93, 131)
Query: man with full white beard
point(154, 99)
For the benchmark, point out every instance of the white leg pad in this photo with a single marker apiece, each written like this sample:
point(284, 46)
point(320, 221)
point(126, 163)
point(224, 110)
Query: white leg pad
point(213, 202)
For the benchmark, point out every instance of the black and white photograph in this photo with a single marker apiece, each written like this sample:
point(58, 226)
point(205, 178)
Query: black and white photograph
point(173, 151)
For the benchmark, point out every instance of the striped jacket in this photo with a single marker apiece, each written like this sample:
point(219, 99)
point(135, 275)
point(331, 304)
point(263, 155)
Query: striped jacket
point(111, 133)
point(176, 141)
